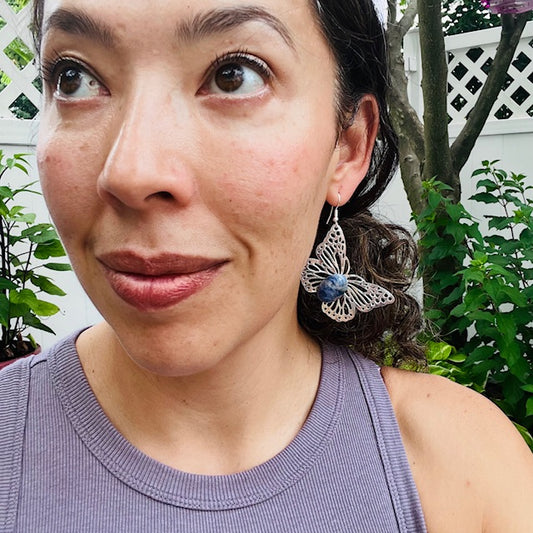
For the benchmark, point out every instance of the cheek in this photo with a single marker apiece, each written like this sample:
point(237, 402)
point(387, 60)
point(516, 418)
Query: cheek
point(275, 183)
point(272, 201)
point(66, 172)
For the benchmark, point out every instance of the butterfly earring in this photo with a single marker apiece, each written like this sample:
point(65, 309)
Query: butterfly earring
point(342, 294)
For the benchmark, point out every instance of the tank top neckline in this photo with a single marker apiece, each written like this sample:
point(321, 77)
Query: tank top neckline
point(195, 491)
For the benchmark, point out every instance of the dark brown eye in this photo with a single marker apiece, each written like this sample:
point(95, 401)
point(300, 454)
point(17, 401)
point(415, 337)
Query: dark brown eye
point(238, 74)
point(230, 78)
point(69, 81)
point(75, 82)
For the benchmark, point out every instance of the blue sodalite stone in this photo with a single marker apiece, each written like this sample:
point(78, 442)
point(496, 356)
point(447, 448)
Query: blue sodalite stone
point(332, 288)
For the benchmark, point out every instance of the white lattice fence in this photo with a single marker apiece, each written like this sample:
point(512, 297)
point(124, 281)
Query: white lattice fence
point(470, 56)
point(19, 93)
point(469, 64)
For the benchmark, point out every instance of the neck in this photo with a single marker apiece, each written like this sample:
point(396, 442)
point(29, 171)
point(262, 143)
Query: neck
point(226, 419)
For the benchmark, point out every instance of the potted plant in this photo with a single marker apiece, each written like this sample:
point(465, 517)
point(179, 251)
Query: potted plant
point(27, 248)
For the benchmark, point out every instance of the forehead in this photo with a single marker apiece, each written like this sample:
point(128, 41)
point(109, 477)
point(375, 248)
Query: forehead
point(293, 20)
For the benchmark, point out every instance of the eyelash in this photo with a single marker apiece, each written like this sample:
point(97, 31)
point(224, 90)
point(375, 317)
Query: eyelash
point(241, 57)
point(50, 68)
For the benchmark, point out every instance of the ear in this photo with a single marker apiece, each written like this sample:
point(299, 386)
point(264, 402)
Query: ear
point(355, 147)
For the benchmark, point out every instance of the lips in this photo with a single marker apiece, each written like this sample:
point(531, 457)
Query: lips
point(157, 282)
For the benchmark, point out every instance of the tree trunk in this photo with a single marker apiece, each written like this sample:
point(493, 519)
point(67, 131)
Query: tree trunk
point(438, 160)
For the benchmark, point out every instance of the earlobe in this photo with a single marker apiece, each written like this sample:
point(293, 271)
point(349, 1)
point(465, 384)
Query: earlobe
point(355, 146)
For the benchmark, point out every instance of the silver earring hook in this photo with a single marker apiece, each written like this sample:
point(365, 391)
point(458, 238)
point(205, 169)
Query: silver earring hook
point(335, 211)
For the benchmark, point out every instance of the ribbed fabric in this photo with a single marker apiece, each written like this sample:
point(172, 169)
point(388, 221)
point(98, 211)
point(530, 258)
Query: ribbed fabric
point(64, 467)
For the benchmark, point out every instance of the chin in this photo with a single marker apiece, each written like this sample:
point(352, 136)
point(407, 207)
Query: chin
point(171, 358)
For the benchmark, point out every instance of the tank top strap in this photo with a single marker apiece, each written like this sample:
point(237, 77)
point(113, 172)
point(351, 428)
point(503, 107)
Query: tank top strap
point(403, 491)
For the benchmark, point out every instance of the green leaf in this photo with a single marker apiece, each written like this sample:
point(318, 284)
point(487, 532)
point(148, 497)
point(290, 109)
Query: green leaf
point(59, 267)
point(39, 307)
point(459, 310)
point(43, 308)
point(47, 286)
point(485, 198)
point(434, 314)
point(497, 222)
point(34, 322)
point(525, 434)
point(15, 210)
point(40, 233)
point(18, 310)
point(493, 289)
point(4, 311)
point(515, 296)
point(474, 275)
point(457, 211)
point(475, 298)
point(481, 353)
point(455, 295)
point(457, 231)
point(487, 183)
point(480, 171)
point(486, 329)
point(26, 218)
point(480, 316)
point(529, 407)
point(6, 192)
point(45, 251)
point(4, 210)
point(507, 326)
point(6, 284)
point(434, 199)
point(528, 388)
point(21, 167)
point(438, 351)
point(445, 279)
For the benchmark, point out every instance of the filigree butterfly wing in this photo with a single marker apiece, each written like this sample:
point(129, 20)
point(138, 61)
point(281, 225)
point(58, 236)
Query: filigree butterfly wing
point(331, 259)
point(366, 296)
point(312, 275)
point(341, 310)
point(331, 252)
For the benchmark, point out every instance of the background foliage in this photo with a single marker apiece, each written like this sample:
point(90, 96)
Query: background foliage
point(27, 247)
point(461, 16)
point(492, 297)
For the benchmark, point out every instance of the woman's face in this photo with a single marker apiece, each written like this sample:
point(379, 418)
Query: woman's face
point(186, 150)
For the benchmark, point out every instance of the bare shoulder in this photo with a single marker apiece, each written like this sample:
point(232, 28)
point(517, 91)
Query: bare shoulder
point(465, 455)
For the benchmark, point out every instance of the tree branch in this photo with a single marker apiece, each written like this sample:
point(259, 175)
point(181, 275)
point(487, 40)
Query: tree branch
point(403, 114)
point(409, 16)
point(512, 28)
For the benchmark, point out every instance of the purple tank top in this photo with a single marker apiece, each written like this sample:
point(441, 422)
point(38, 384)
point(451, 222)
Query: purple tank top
point(64, 467)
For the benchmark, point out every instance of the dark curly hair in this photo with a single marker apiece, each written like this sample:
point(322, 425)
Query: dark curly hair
point(380, 253)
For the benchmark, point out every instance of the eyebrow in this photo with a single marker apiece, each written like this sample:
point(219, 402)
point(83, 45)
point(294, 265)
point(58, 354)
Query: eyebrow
point(212, 22)
point(222, 20)
point(77, 22)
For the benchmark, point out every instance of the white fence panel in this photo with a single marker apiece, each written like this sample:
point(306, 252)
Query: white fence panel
point(22, 74)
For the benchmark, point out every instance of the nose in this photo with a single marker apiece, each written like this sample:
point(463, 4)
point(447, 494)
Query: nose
point(148, 159)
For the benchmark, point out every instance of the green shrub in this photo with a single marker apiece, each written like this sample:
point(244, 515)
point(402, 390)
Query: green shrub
point(491, 296)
